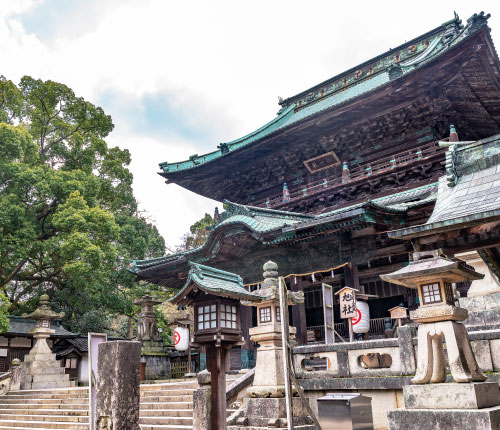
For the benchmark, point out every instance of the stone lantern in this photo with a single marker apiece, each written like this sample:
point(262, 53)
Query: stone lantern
point(40, 368)
point(265, 405)
point(146, 325)
point(268, 380)
point(215, 296)
point(432, 275)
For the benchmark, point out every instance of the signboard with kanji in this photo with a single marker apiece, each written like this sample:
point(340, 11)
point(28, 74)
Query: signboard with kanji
point(347, 301)
point(398, 312)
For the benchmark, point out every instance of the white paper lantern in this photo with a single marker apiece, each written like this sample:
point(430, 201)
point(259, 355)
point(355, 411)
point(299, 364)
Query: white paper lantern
point(181, 338)
point(361, 324)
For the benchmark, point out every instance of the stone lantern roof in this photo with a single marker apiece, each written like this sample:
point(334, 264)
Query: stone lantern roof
point(429, 267)
point(44, 311)
point(147, 299)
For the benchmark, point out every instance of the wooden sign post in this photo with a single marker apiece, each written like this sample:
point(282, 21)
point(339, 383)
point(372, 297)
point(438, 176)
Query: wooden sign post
point(348, 309)
point(398, 313)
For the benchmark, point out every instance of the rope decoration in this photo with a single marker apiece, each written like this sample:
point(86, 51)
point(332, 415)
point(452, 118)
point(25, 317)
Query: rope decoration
point(295, 275)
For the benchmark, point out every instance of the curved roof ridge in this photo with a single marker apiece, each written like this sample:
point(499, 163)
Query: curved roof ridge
point(237, 214)
point(214, 281)
point(225, 147)
point(261, 210)
point(456, 20)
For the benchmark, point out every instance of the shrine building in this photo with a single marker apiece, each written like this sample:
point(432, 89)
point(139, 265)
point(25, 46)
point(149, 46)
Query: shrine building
point(318, 188)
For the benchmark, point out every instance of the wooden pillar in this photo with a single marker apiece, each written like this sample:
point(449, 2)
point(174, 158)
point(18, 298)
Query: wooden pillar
point(216, 365)
point(299, 314)
point(351, 276)
point(247, 347)
point(351, 280)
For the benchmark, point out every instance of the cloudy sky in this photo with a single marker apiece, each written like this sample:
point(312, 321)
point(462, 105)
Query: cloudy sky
point(179, 77)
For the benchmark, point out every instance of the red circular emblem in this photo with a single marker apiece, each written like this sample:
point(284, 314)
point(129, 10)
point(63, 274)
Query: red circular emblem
point(177, 338)
point(357, 319)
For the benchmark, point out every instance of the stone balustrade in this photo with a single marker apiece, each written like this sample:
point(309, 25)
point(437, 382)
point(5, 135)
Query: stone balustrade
point(384, 357)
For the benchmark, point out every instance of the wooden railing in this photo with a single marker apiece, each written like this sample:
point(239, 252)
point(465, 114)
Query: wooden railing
point(179, 369)
point(355, 174)
point(377, 327)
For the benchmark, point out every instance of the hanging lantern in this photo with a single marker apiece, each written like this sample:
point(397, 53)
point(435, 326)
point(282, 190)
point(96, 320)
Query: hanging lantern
point(181, 338)
point(361, 323)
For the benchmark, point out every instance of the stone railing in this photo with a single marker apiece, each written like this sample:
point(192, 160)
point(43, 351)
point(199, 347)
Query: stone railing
point(383, 357)
point(10, 380)
point(5, 379)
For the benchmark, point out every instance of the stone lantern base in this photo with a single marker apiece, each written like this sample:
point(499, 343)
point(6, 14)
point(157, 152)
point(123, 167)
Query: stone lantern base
point(40, 369)
point(269, 413)
point(448, 407)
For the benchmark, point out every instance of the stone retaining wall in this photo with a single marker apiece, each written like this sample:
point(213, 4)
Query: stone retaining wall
point(383, 384)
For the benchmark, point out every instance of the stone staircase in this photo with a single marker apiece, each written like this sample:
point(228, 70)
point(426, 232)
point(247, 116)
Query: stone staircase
point(167, 406)
point(65, 408)
point(164, 406)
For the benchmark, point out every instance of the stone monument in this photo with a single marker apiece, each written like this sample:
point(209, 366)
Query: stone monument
point(146, 324)
point(483, 296)
point(118, 387)
point(154, 354)
point(265, 405)
point(40, 369)
point(469, 400)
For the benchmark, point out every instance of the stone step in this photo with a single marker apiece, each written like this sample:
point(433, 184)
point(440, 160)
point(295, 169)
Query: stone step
point(169, 405)
point(167, 385)
point(35, 385)
point(51, 418)
point(2, 427)
point(166, 413)
point(21, 411)
point(46, 396)
point(164, 427)
point(168, 392)
point(51, 406)
point(41, 401)
point(185, 421)
point(304, 427)
point(53, 391)
point(39, 425)
point(162, 399)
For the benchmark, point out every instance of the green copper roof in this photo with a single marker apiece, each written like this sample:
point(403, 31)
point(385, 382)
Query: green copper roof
point(469, 193)
point(363, 79)
point(213, 281)
point(275, 226)
point(257, 220)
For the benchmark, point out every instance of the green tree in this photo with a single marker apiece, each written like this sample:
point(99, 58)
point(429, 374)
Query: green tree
point(198, 233)
point(69, 222)
point(4, 313)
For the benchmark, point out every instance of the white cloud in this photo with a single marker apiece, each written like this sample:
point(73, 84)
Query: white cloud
point(222, 65)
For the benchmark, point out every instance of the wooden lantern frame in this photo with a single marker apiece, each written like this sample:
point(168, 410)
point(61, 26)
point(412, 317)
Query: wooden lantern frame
point(206, 335)
point(445, 290)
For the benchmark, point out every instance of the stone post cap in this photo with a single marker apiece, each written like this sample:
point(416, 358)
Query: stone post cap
point(270, 274)
point(16, 362)
point(204, 377)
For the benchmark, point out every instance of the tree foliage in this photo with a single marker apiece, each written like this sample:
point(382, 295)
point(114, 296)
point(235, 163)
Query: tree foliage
point(69, 222)
point(198, 233)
